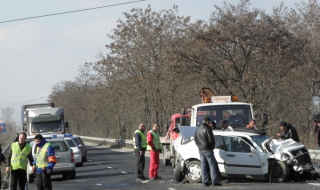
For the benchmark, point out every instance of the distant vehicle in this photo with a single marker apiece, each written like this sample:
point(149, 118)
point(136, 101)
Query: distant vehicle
point(249, 154)
point(76, 151)
point(65, 158)
point(43, 118)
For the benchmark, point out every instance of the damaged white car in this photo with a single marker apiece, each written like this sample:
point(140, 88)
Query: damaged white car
point(249, 155)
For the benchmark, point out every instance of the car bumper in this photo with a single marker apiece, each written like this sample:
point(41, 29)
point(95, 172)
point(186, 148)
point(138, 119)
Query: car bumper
point(78, 159)
point(59, 169)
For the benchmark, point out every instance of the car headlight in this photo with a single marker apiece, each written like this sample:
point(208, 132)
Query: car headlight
point(285, 156)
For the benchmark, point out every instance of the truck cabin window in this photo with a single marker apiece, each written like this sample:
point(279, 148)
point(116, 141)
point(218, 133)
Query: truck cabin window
point(44, 127)
point(236, 115)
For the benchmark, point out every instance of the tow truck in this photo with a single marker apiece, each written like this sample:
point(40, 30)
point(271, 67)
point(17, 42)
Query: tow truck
point(217, 108)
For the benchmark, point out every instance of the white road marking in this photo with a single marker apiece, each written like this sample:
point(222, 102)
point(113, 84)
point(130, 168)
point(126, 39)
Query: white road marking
point(109, 167)
point(171, 188)
point(124, 172)
point(316, 184)
point(98, 184)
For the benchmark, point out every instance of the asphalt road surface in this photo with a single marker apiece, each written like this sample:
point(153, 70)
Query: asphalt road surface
point(113, 168)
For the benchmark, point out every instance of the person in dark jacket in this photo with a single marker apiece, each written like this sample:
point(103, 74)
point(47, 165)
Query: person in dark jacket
point(204, 139)
point(19, 154)
point(140, 146)
point(317, 133)
point(289, 132)
point(2, 159)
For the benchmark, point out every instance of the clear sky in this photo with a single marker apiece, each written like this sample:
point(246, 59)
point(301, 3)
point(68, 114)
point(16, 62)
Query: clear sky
point(38, 53)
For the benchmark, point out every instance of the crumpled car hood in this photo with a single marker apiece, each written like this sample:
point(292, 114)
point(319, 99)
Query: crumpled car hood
point(276, 145)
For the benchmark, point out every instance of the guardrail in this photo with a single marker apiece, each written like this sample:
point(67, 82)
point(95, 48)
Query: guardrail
point(105, 141)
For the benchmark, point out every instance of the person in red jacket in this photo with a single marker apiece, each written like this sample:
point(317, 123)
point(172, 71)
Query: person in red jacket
point(155, 147)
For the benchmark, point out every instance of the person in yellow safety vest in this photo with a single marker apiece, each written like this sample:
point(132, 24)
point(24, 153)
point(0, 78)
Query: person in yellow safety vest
point(44, 162)
point(19, 154)
point(140, 146)
point(155, 147)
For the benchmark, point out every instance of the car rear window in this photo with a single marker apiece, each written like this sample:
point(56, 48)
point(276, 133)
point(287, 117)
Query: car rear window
point(77, 140)
point(59, 146)
point(71, 143)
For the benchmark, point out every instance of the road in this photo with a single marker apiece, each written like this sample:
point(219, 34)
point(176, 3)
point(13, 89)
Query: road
point(113, 168)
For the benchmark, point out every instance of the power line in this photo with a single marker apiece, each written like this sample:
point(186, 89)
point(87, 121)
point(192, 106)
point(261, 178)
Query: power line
point(70, 11)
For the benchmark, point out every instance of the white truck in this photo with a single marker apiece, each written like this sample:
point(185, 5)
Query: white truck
point(43, 118)
point(217, 108)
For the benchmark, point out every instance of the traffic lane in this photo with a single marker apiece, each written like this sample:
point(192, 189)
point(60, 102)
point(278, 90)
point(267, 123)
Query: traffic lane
point(109, 168)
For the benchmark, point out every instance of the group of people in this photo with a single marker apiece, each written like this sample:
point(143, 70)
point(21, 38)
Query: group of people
point(19, 155)
point(143, 143)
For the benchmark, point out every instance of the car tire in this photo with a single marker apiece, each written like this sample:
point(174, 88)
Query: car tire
point(166, 162)
point(85, 158)
point(30, 178)
point(72, 174)
point(279, 172)
point(193, 172)
point(81, 163)
point(178, 175)
point(65, 176)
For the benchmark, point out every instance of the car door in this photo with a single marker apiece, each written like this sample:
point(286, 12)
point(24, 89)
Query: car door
point(220, 153)
point(239, 158)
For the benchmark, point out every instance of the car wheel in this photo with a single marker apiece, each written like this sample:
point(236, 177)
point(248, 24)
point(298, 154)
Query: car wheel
point(280, 171)
point(193, 172)
point(85, 158)
point(72, 175)
point(81, 163)
point(30, 178)
point(166, 162)
point(65, 176)
point(178, 175)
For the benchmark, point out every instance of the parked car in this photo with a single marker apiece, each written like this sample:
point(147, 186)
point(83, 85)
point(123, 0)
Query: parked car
point(81, 146)
point(65, 158)
point(76, 151)
point(251, 155)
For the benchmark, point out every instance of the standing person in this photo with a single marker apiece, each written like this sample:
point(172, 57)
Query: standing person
point(252, 124)
point(204, 139)
point(140, 146)
point(154, 146)
point(2, 159)
point(19, 154)
point(44, 163)
point(317, 133)
point(289, 132)
point(212, 124)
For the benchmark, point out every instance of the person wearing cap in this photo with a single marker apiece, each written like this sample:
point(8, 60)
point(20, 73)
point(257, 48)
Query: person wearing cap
point(18, 157)
point(289, 132)
point(223, 125)
point(205, 141)
point(212, 124)
point(317, 133)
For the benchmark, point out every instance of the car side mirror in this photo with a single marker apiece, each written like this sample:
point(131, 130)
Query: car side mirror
point(253, 150)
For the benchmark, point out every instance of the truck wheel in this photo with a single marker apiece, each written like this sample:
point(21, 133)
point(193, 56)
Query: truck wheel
point(280, 172)
point(178, 175)
point(193, 172)
point(166, 162)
